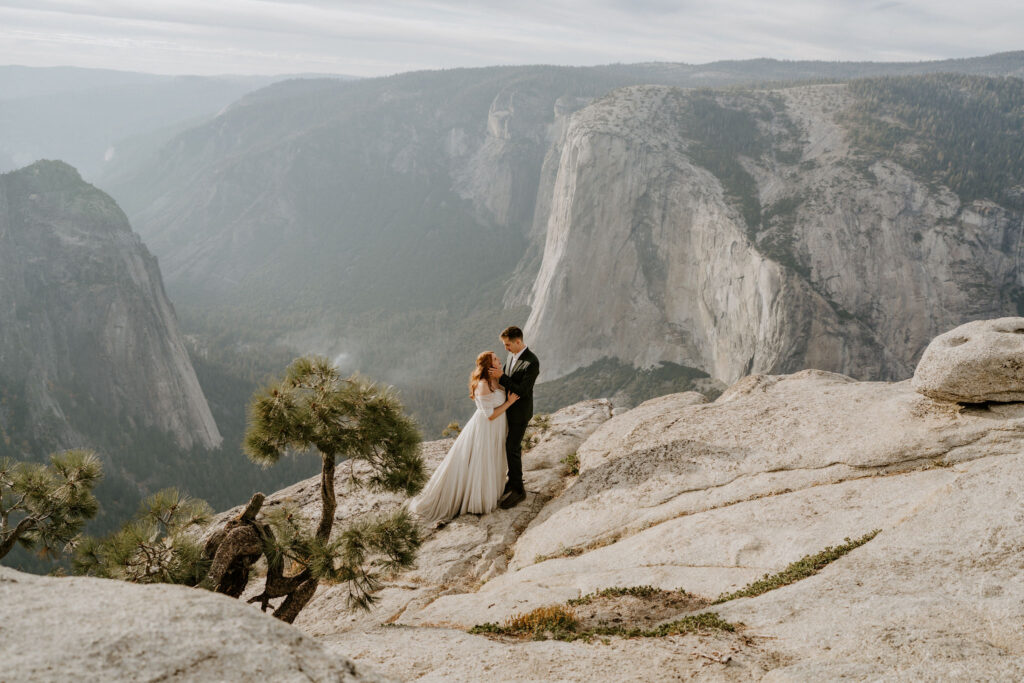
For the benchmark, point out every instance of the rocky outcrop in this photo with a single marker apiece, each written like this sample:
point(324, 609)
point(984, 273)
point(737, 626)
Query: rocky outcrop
point(88, 339)
point(827, 275)
point(977, 362)
point(59, 629)
point(682, 494)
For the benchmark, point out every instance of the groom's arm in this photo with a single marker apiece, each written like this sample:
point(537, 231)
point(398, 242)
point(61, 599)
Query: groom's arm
point(522, 385)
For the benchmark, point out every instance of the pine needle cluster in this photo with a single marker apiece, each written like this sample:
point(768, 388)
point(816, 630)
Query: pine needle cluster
point(155, 546)
point(313, 408)
point(44, 507)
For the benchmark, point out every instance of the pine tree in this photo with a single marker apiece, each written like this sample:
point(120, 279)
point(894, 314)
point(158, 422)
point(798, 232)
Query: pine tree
point(155, 546)
point(45, 506)
point(313, 409)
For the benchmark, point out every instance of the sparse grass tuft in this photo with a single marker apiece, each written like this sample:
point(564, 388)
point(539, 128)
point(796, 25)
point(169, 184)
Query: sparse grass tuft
point(693, 623)
point(614, 592)
point(572, 464)
point(801, 569)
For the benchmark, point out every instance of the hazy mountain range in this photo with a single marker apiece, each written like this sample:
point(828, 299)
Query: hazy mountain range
point(654, 227)
point(398, 223)
point(100, 120)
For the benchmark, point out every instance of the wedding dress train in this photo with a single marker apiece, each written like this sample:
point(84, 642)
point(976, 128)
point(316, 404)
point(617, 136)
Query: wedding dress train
point(472, 475)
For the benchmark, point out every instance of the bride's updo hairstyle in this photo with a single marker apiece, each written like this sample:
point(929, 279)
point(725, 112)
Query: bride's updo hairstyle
point(479, 374)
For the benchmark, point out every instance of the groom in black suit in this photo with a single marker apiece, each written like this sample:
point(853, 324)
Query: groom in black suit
point(517, 377)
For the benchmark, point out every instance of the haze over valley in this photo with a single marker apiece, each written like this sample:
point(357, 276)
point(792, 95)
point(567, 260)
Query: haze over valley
point(654, 227)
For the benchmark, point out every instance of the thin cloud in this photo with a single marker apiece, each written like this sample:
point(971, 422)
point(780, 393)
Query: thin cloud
point(374, 38)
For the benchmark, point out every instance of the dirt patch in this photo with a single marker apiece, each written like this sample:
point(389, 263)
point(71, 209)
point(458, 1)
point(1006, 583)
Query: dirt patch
point(642, 609)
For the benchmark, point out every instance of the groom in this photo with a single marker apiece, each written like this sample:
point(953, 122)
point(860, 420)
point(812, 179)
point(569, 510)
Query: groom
point(517, 377)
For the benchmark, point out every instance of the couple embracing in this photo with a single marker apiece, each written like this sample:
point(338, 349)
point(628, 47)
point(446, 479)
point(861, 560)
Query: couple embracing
point(472, 476)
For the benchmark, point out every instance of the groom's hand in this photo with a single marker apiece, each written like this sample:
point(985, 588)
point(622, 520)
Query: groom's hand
point(495, 373)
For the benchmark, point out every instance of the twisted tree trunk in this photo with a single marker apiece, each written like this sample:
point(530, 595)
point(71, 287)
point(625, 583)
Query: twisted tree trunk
point(240, 543)
point(302, 586)
point(234, 549)
point(328, 501)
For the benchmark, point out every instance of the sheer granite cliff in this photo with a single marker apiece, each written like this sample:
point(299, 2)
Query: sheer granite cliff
point(87, 334)
point(741, 232)
point(727, 232)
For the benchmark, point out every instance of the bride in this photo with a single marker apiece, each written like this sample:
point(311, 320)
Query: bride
point(471, 477)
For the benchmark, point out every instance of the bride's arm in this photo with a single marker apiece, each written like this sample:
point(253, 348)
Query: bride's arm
point(512, 398)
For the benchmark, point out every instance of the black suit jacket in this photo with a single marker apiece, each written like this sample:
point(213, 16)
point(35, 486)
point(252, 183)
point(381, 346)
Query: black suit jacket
point(520, 381)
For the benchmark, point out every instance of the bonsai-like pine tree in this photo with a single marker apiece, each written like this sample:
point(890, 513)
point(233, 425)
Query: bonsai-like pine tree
point(158, 545)
point(313, 409)
point(45, 506)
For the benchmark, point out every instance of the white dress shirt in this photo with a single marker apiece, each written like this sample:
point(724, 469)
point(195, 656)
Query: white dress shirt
point(513, 359)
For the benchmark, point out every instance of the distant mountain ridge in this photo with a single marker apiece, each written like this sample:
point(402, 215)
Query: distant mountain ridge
point(397, 223)
point(99, 119)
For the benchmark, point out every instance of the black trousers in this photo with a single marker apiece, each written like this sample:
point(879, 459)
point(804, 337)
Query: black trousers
point(514, 455)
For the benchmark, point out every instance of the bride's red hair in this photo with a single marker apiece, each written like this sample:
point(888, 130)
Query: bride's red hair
point(479, 374)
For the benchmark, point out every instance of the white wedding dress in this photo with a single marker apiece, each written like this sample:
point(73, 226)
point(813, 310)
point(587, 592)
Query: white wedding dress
point(472, 476)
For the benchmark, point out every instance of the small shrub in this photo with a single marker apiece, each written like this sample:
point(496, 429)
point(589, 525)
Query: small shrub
point(572, 464)
point(158, 545)
point(452, 430)
point(555, 619)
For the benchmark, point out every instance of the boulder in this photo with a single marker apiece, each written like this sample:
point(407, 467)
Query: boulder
point(977, 362)
point(61, 629)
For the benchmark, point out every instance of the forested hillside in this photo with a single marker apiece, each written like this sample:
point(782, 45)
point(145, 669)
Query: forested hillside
point(965, 132)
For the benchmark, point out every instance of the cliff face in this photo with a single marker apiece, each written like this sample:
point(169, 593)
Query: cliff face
point(729, 232)
point(797, 251)
point(86, 330)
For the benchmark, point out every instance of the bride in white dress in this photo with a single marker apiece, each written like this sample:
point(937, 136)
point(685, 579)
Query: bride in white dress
point(471, 477)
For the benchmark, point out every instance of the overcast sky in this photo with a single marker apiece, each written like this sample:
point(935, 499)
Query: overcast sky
point(376, 37)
